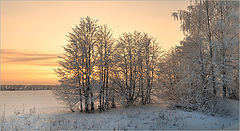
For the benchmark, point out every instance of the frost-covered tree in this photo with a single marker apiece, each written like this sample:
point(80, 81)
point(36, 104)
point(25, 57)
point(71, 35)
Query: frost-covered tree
point(215, 24)
point(208, 55)
point(227, 42)
point(136, 55)
point(85, 68)
point(104, 64)
point(78, 62)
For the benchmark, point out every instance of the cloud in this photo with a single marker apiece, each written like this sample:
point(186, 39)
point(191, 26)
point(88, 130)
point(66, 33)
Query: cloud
point(28, 57)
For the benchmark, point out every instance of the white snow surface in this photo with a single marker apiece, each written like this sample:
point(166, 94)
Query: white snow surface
point(31, 110)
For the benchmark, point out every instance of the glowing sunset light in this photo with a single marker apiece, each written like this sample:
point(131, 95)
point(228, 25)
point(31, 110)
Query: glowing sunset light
point(33, 32)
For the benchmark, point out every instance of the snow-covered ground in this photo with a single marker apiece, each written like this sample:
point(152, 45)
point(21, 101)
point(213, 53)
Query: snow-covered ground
point(40, 110)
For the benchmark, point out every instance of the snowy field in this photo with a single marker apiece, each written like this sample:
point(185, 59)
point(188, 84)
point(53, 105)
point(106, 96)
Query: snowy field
point(40, 110)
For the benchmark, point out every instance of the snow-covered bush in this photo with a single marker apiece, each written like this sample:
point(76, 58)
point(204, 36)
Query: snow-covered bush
point(195, 99)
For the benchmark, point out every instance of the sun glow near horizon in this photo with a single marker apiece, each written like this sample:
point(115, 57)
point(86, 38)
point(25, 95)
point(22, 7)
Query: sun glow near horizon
point(33, 32)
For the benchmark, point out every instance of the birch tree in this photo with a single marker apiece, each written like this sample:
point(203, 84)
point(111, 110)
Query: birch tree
point(207, 55)
point(79, 60)
point(104, 64)
point(136, 57)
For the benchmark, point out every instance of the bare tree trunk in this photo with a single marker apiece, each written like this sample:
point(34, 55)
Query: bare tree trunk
point(148, 75)
point(80, 93)
point(223, 56)
point(101, 80)
point(88, 79)
point(141, 83)
point(113, 103)
point(107, 90)
point(212, 68)
point(131, 78)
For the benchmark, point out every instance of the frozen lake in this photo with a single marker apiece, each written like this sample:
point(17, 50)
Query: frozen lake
point(42, 100)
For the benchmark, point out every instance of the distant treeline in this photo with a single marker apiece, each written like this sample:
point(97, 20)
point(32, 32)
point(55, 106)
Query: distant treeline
point(27, 87)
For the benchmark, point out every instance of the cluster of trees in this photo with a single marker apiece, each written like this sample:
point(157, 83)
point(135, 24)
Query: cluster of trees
point(100, 71)
point(96, 69)
point(206, 64)
point(135, 58)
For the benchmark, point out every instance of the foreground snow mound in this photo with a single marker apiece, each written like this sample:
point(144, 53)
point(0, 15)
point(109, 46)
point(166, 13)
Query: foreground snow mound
point(143, 117)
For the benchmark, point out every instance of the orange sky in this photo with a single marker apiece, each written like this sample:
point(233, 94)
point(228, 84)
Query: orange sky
point(32, 32)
